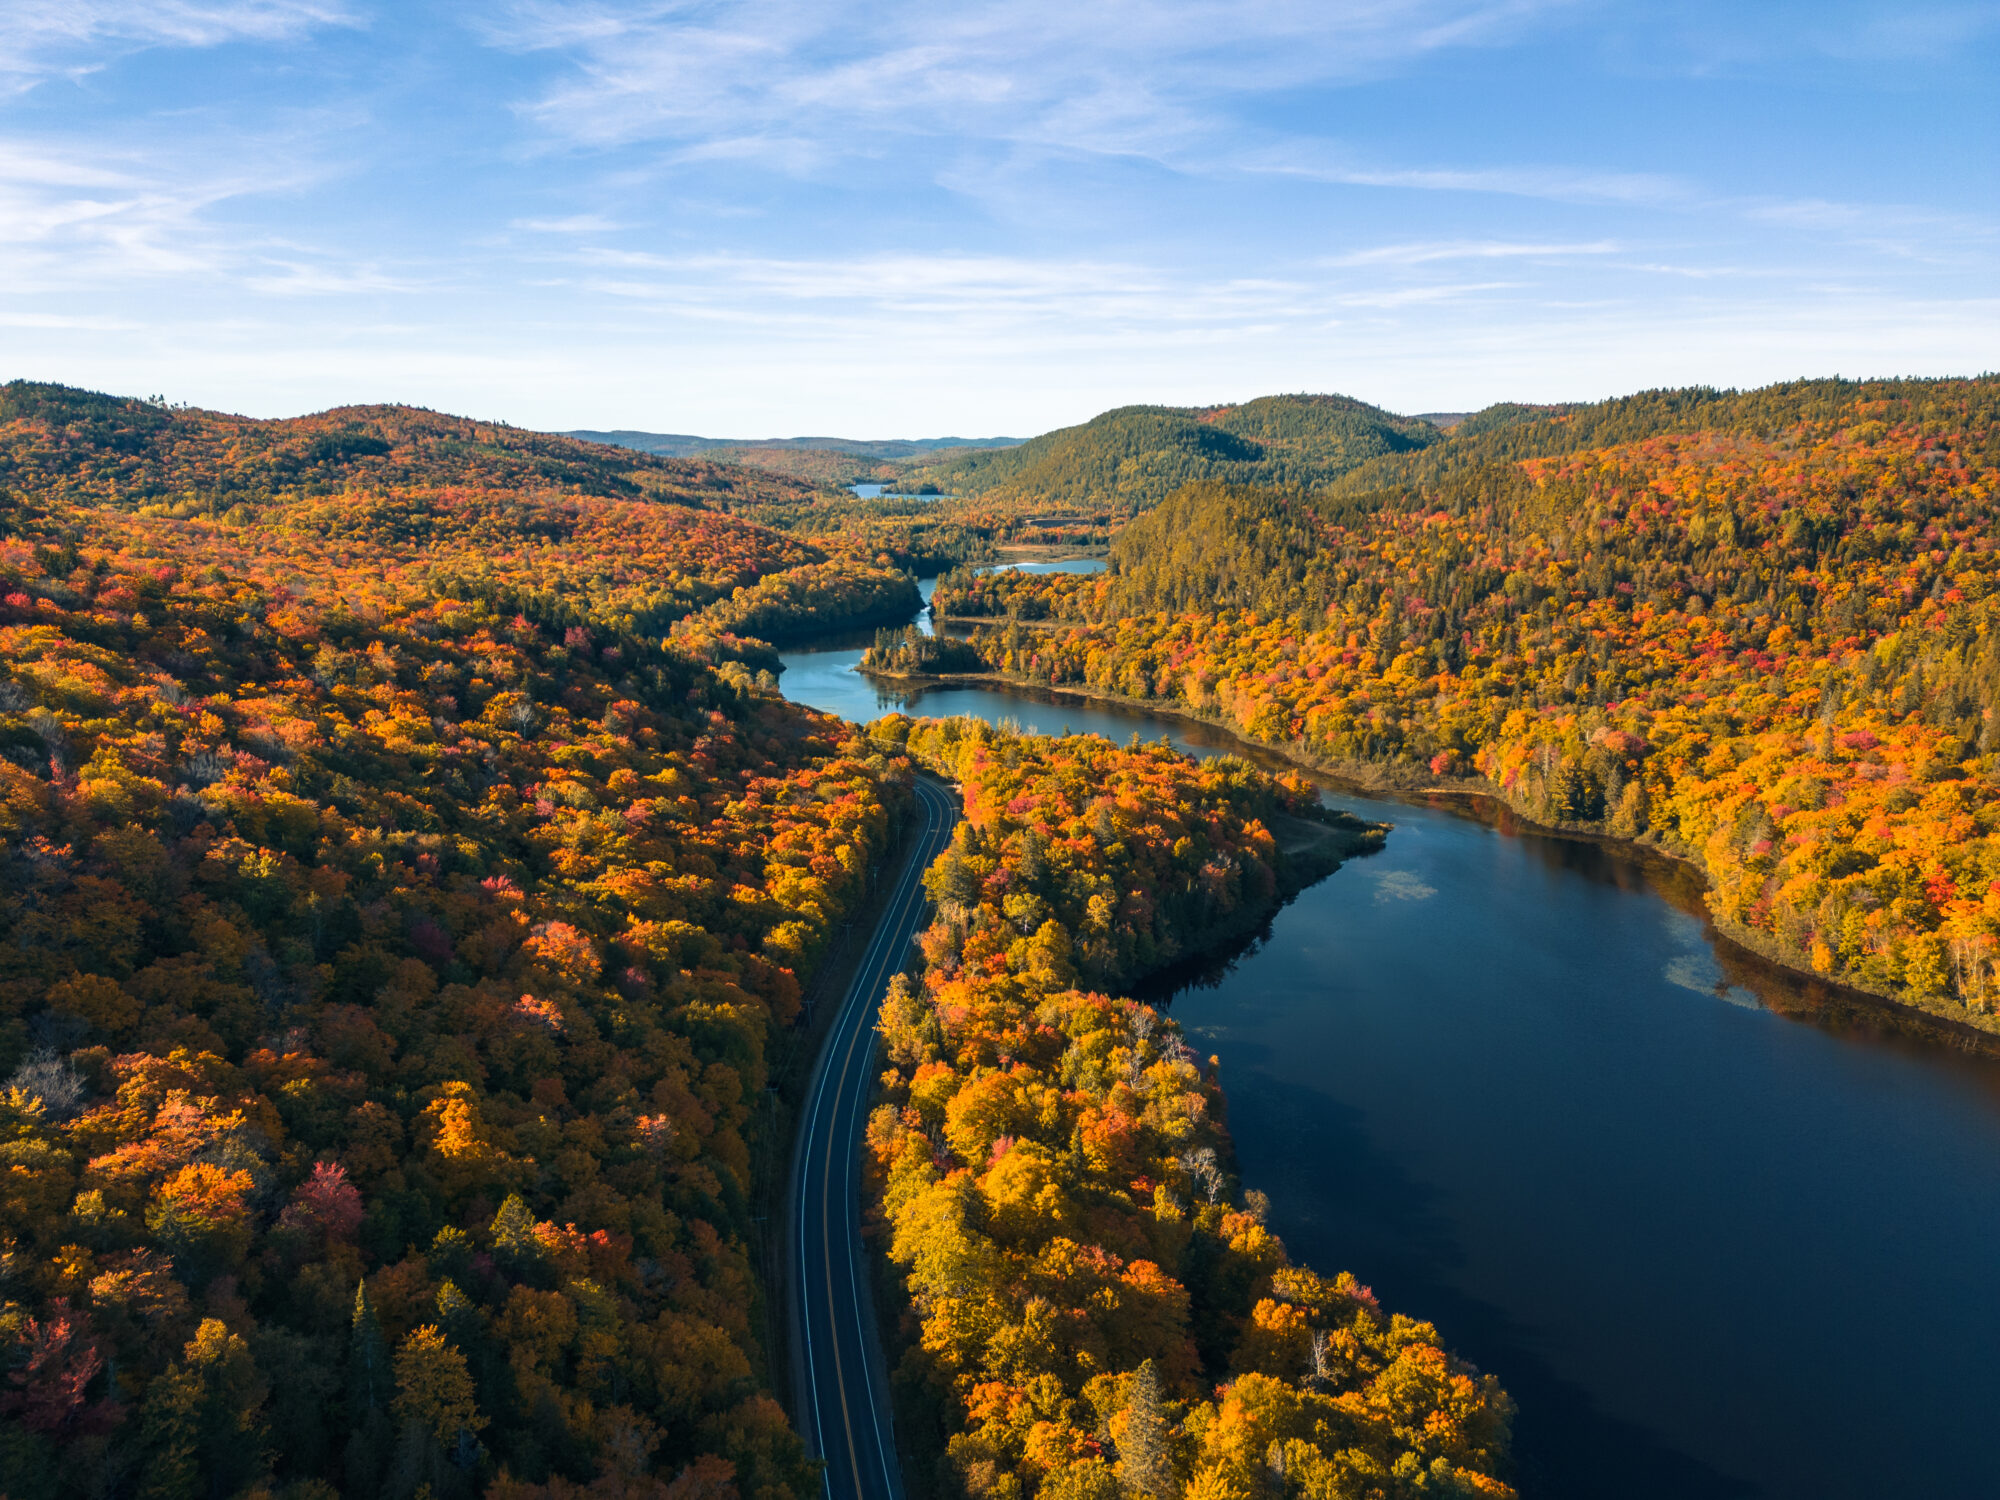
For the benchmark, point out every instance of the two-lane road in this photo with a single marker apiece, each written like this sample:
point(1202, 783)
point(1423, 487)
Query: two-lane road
point(843, 1400)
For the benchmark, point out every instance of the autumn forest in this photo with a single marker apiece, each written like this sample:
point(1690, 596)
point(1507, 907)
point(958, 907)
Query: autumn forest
point(1756, 631)
point(412, 879)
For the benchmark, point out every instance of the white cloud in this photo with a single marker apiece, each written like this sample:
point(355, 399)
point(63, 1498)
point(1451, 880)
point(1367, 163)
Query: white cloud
point(60, 215)
point(1412, 295)
point(1426, 252)
point(293, 278)
point(1142, 77)
point(573, 224)
point(119, 220)
point(40, 37)
point(1320, 162)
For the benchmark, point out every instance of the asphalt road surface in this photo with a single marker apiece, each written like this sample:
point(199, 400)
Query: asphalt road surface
point(844, 1410)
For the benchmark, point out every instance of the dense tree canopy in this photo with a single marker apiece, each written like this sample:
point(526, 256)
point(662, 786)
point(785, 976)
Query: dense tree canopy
point(1131, 458)
point(393, 926)
point(401, 874)
point(1761, 632)
point(1095, 1309)
point(62, 443)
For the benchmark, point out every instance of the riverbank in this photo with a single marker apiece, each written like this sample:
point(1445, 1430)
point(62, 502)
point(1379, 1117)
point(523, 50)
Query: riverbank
point(1943, 1021)
point(1015, 553)
point(1523, 1088)
point(1311, 845)
point(1018, 1038)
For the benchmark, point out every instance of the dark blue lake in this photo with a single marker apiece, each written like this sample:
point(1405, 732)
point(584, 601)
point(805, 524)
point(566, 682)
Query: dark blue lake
point(1720, 1231)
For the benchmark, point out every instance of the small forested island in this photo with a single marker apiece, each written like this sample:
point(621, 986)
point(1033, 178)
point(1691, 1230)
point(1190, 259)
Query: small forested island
point(910, 653)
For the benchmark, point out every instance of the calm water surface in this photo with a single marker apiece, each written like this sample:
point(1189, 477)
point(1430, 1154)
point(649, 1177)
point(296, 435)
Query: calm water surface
point(1718, 1232)
point(884, 492)
point(1056, 565)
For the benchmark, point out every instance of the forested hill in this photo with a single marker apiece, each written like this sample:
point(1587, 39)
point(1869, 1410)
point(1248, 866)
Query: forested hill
point(1794, 477)
point(399, 885)
point(1508, 433)
point(58, 442)
point(1759, 629)
point(1133, 457)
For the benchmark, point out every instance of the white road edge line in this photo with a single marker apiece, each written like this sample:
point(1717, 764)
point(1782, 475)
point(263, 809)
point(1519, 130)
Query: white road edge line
point(865, 986)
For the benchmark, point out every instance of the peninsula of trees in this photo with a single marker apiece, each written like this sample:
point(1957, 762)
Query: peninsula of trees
point(1095, 1309)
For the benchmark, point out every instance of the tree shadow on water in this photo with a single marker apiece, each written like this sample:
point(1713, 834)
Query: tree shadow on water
point(1342, 1203)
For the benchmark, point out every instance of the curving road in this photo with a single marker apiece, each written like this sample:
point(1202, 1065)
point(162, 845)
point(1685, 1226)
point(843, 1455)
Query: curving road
point(843, 1395)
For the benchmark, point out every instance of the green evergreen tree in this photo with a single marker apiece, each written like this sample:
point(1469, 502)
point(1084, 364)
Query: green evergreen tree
point(370, 1384)
point(370, 1380)
point(1144, 1460)
point(170, 1428)
point(514, 1244)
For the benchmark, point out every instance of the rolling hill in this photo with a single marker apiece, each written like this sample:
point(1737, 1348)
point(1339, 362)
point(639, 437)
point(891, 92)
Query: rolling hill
point(1510, 433)
point(567, 532)
point(1131, 458)
point(63, 443)
point(1759, 630)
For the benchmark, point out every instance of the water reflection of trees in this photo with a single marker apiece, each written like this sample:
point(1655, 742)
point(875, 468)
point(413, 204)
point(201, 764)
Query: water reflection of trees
point(1636, 869)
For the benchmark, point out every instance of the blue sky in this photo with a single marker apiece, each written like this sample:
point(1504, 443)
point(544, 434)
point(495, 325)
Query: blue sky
point(904, 219)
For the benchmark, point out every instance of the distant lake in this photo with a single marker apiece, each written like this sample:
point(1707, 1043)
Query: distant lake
point(1721, 1232)
point(1061, 565)
point(883, 491)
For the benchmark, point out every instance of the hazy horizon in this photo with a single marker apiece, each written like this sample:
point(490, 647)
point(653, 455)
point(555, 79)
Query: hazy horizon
point(602, 434)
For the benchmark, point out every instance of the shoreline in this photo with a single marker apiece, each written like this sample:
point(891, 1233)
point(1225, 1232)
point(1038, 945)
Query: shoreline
point(1370, 778)
point(1310, 848)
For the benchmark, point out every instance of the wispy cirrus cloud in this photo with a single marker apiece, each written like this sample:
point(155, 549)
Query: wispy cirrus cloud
point(568, 224)
point(1324, 161)
point(981, 295)
point(76, 222)
point(792, 80)
point(44, 37)
point(999, 301)
point(62, 214)
point(1431, 251)
point(1412, 296)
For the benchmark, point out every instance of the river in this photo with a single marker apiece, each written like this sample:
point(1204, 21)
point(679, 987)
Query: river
point(1719, 1232)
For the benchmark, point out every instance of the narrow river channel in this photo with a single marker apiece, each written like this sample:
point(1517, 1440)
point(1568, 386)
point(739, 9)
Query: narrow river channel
point(1719, 1233)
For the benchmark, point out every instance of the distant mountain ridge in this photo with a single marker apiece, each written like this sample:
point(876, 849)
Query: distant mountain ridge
point(687, 445)
point(831, 461)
